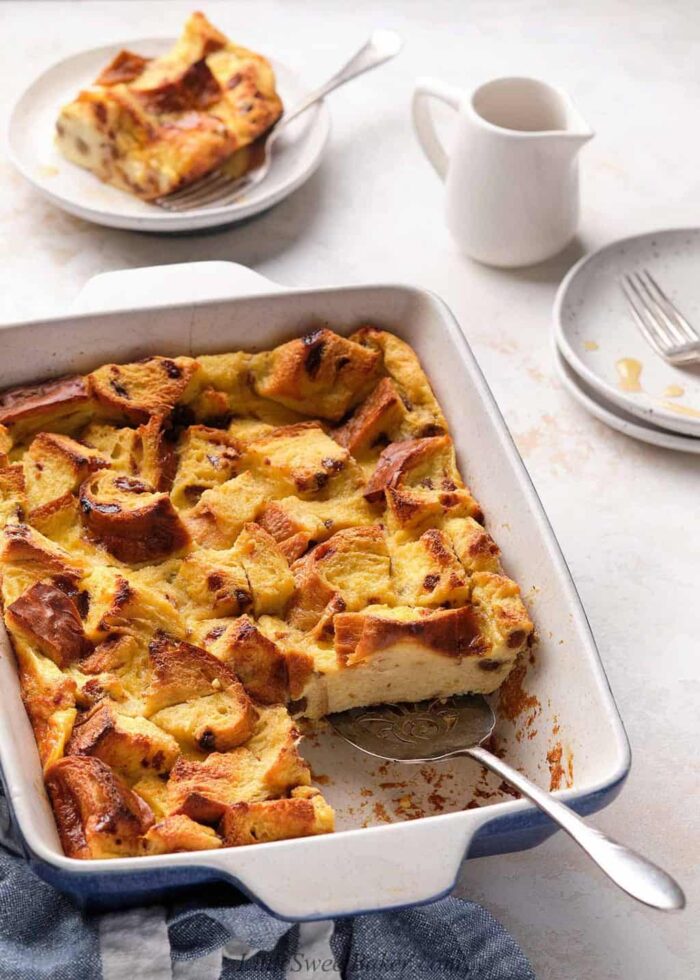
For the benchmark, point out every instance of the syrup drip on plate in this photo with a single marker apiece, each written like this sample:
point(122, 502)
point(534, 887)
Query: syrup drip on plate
point(674, 391)
point(629, 370)
point(693, 413)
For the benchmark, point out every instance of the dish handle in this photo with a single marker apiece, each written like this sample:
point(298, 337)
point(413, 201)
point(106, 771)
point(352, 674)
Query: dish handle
point(369, 869)
point(166, 285)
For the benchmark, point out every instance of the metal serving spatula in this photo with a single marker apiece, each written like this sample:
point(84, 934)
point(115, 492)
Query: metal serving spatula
point(429, 731)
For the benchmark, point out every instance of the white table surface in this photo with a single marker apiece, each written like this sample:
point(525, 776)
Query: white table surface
point(625, 513)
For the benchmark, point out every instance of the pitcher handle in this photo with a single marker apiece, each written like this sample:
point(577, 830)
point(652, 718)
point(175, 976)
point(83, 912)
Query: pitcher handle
point(423, 121)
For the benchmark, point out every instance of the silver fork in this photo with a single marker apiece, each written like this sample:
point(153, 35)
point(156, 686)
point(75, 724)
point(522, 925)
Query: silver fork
point(661, 323)
point(218, 189)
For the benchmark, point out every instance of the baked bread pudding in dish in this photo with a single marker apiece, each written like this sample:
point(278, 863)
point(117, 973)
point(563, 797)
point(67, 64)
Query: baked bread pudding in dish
point(197, 551)
point(152, 126)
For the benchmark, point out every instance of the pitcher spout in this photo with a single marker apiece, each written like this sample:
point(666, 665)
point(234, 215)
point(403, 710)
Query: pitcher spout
point(577, 130)
point(566, 144)
point(578, 136)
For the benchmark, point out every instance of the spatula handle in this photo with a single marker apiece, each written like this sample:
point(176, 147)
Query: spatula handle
point(633, 873)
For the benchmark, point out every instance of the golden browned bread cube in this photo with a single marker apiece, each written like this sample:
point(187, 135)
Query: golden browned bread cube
point(119, 604)
point(320, 374)
point(416, 509)
point(421, 485)
point(6, 443)
point(215, 584)
point(49, 697)
point(352, 566)
point(253, 575)
point(427, 572)
point(205, 458)
point(56, 465)
point(128, 745)
point(148, 451)
point(182, 671)
point(297, 525)
point(503, 618)
point(255, 658)
point(267, 766)
point(130, 519)
point(149, 387)
point(59, 521)
point(58, 405)
point(474, 546)
point(13, 498)
point(119, 668)
point(305, 813)
point(423, 414)
point(24, 545)
point(49, 619)
point(214, 722)
point(26, 557)
point(266, 569)
point(300, 459)
point(425, 463)
point(375, 421)
point(179, 833)
point(227, 396)
point(97, 815)
point(219, 515)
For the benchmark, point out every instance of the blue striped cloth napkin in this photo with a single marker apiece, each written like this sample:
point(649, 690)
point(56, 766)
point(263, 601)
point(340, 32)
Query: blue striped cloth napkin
point(43, 936)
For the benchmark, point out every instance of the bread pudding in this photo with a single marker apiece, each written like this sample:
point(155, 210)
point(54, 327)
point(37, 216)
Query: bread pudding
point(152, 126)
point(196, 551)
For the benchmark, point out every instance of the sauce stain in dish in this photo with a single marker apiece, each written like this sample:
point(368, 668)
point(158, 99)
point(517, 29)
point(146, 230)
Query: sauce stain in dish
point(629, 370)
point(693, 413)
point(514, 700)
point(560, 770)
point(590, 345)
point(674, 391)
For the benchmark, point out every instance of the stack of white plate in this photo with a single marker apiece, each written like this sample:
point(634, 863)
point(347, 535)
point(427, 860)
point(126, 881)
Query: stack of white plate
point(602, 359)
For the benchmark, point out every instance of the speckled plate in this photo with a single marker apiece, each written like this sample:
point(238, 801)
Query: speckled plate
point(597, 336)
point(33, 151)
point(618, 418)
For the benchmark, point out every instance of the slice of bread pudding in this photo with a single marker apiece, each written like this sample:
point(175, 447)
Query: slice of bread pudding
point(151, 126)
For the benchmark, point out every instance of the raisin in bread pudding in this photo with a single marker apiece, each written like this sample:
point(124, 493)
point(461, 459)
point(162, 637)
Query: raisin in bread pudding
point(151, 126)
point(197, 551)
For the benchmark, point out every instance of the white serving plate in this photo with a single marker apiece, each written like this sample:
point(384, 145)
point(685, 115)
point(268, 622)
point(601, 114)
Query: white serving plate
point(594, 329)
point(617, 418)
point(368, 864)
point(33, 151)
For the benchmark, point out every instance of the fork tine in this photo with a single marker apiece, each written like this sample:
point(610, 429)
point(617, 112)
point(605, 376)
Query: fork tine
point(216, 194)
point(193, 200)
point(662, 318)
point(650, 332)
point(192, 188)
point(656, 327)
point(689, 331)
point(230, 195)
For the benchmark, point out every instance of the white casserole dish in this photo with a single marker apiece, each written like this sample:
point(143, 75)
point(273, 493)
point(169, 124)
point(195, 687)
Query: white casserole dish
point(569, 711)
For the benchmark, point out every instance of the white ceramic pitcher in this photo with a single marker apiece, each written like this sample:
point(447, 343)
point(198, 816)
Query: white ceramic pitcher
point(512, 172)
